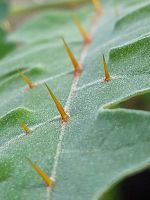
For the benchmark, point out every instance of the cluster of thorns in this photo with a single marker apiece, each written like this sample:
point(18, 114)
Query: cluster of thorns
point(77, 71)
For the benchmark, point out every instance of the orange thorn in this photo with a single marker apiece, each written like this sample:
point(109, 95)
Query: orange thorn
point(107, 76)
point(84, 33)
point(77, 68)
point(48, 181)
point(63, 114)
point(24, 127)
point(97, 6)
point(26, 79)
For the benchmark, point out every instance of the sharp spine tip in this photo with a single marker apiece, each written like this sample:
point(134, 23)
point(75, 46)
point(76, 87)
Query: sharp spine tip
point(64, 115)
point(77, 68)
point(106, 72)
point(26, 79)
point(84, 33)
point(47, 180)
point(24, 127)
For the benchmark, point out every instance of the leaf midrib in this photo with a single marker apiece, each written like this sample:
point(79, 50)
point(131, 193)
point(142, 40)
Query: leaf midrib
point(73, 89)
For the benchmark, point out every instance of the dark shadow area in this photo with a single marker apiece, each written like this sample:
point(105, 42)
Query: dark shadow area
point(140, 102)
point(136, 187)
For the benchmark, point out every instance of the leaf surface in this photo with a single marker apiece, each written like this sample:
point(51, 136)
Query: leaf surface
point(99, 146)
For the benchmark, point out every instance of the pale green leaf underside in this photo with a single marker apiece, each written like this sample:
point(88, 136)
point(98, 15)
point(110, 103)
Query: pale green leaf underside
point(100, 146)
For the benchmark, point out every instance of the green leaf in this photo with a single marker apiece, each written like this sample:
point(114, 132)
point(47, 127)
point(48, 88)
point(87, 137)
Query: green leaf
point(99, 146)
point(5, 46)
point(3, 9)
